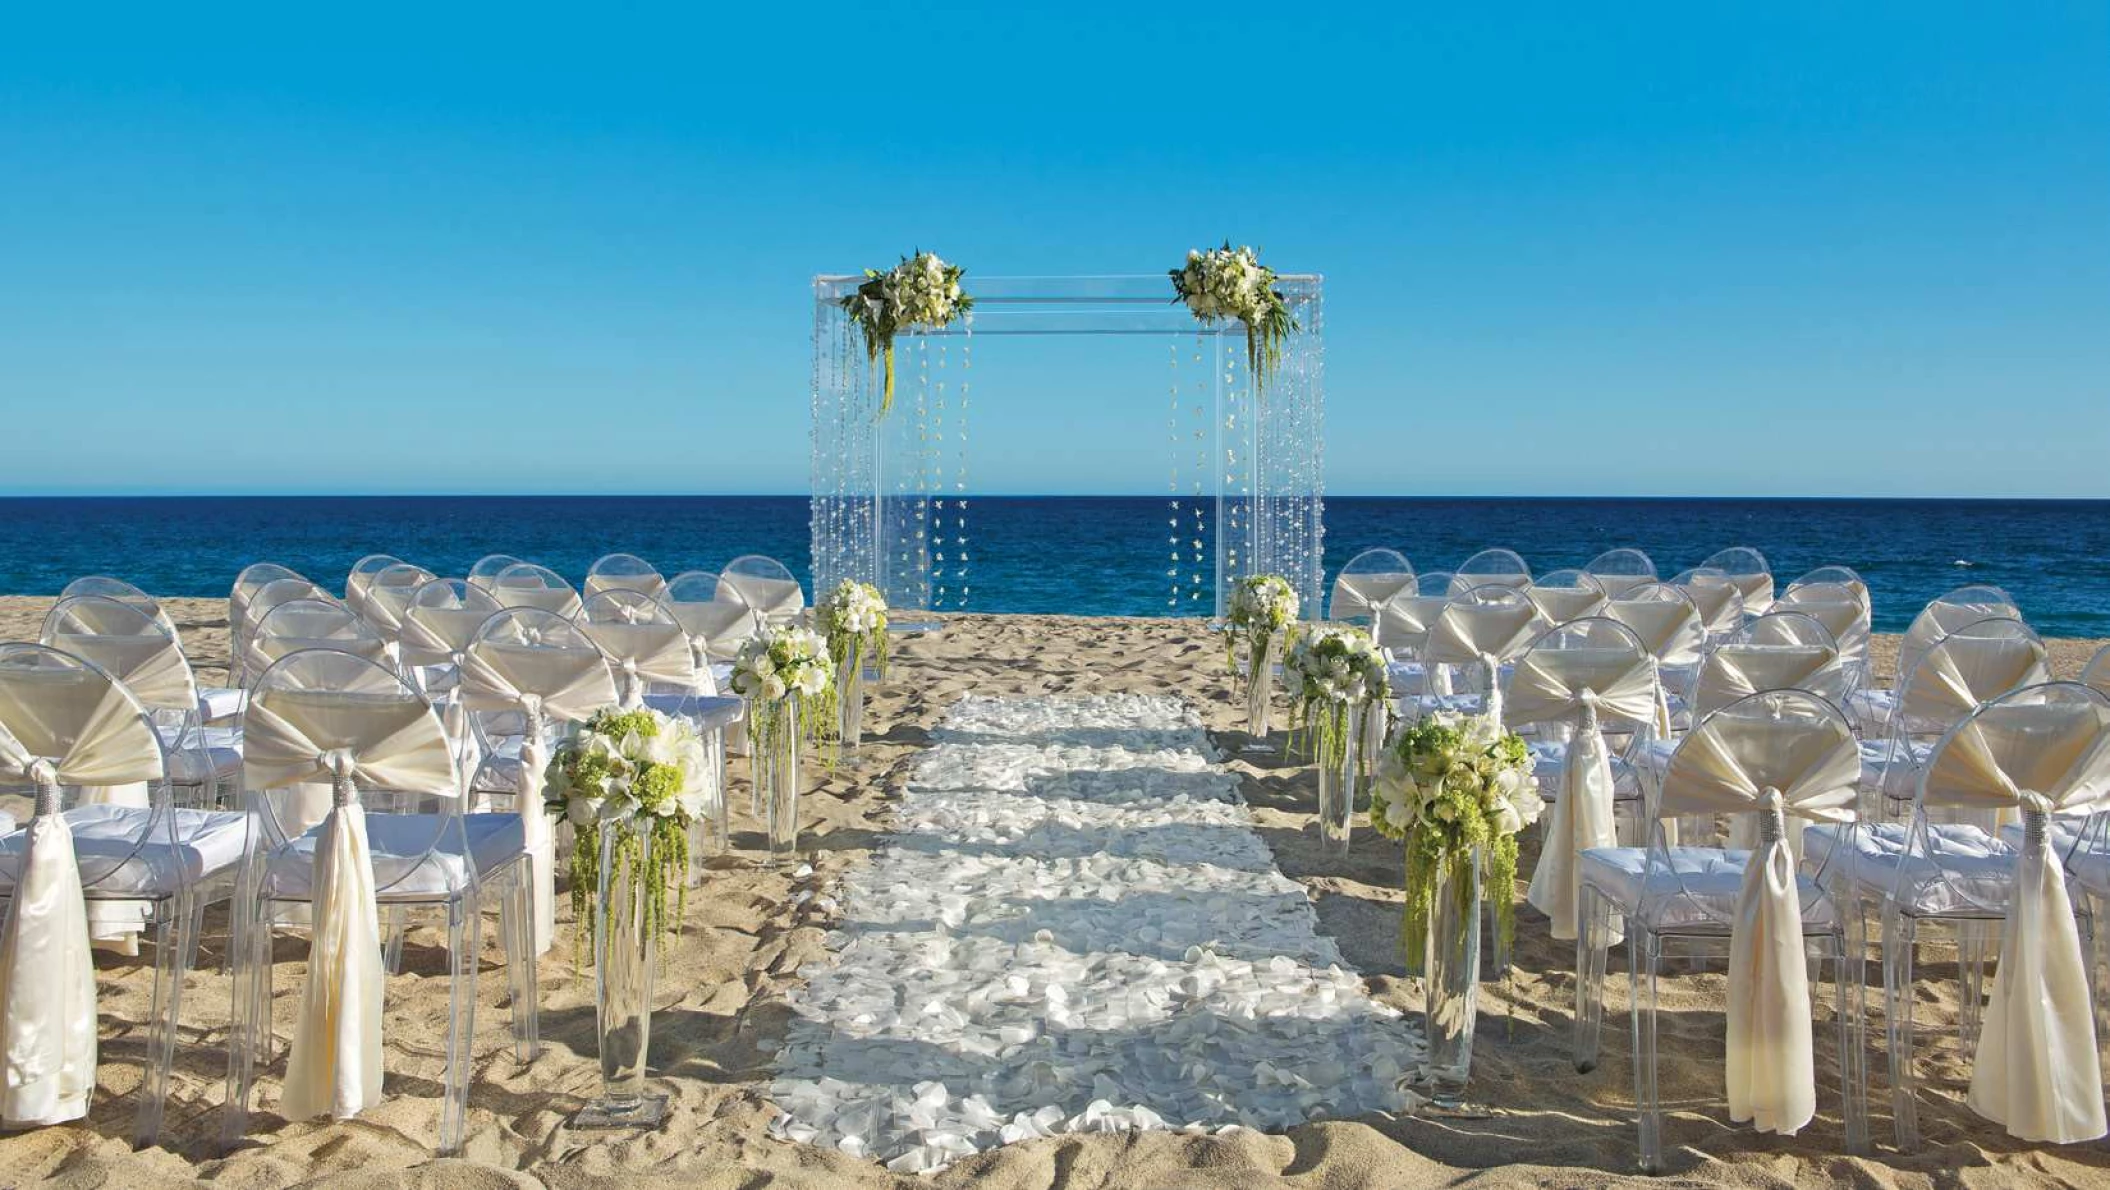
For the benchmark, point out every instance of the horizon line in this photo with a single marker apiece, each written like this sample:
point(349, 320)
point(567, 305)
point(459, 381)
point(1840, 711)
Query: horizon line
point(1429, 496)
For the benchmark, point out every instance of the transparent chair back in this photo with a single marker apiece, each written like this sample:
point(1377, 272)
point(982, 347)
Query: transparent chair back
point(1488, 568)
point(1716, 597)
point(1562, 596)
point(253, 578)
point(1621, 570)
point(2097, 673)
point(714, 615)
point(104, 586)
point(438, 623)
point(767, 586)
point(362, 576)
point(1366, 582)
point(1594, 653)
point(1955, 675)
point(646, 645)
point(1743, 666)
point(310, 624)
point(525, 584)
point(625, 572)
point(1481, 629)
point(1964, 605)
point(1843, 609)
point(1751, 573)
point(484, 573)
point(1665, 620)
point(1403, 621)
point(259, 603)
point(388, 593)
point(526, 652)
point(135, 648)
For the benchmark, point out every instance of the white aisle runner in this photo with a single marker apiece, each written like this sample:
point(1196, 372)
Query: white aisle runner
point(1075, 929)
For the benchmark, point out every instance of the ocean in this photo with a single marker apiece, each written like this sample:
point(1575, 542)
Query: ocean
point(1075, 554)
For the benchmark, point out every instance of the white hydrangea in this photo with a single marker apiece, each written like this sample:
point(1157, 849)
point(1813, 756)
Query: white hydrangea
point(1334, 664)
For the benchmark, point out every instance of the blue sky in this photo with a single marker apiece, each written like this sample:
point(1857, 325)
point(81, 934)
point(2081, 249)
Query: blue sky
point(1638, 248)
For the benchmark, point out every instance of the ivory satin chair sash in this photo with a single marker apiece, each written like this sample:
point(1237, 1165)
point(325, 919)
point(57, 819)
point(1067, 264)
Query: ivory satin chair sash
point(1718, 601)
point(1361, 594)
point(645, 584)
point(1736, 670)
point(57, 727)
point(643, 653)
point(714, 628)
point(1485, 633)
point(153, 668)
point(1403, 621)
point(1811, 773)
point(1960, 671)
point(1583, 687)
point(1560, 605)
point(562, 601)
point(1672, 632)
point(1756, 591)
point(2036, 1071)
point(775, 600)
point(1846, 619)
point(353, 740)
point(546, 684)
point(1940, 618)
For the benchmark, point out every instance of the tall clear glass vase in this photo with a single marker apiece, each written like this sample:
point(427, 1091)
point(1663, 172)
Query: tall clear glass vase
point(1337, 782)
point(777, 776)
point(850, 701)
point(1260, 694)
point(1451, 979)
point(624, 963)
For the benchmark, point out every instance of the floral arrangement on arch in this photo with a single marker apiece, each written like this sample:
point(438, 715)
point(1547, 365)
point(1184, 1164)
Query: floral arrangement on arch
point(921, 293)
point(1231, 282)
point(624, 765)
point(1333, 673)
point(1449, 784)
point(1262, 605)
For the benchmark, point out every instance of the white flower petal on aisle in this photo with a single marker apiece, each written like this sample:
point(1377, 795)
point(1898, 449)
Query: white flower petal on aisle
point(1075, 928)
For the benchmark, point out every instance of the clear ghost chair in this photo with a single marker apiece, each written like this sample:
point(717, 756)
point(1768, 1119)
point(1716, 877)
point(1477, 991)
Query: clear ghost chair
point(1364, 584)
point(387, 593)
point(486, 570)
point(362, 575)
point(71, 733)
point(259, 604)
point(1964, 605)
point(767, 586)
point(1974, 664)
point(2097, 673)
point(1718, 599)
point(525, 584)
point(1585, 680)
point(717, 620)
point(1481, 629)
point(1772, 756)
point(1401, 629)
point(1845, 576)
point(1496, 568)
point(2043, 752)
point(626, 572)
point(526, 673)
point(1621, 570)
point(254, 578)
point(1751, 573)
point(1843, 609)
point(310, 624)
point(438, 624)
point(330, 717)
point(138, 651)
point(103, 586)
point(1670, 626)
point(1563, 596)
point(646, 646)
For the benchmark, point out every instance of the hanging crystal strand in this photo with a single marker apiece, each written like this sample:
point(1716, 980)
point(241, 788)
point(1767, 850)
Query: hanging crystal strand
point(959, 484)
point(937, 486)
point(919, 563)
point(1199, 527)
point(1172, 437)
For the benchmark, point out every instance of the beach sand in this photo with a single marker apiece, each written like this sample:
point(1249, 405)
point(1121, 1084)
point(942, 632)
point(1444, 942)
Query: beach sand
point(721, 1005)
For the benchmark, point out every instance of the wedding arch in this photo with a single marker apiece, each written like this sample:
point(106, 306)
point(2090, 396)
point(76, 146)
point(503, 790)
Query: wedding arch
point(891, 503)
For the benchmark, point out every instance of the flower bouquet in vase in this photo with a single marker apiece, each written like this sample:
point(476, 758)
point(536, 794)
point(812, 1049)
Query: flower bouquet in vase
point(1456, 790)
point(787, 678)
point(853, 620)
point(1263, 606)
point(631, 783)
point(1334, 674)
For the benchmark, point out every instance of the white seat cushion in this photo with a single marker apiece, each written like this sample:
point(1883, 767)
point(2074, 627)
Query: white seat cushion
point(1406, 677)
point(2089, 866)
point(1897, 757)
point(1698, 888)
point(205, 754)
point(1872, 708)
point(7, 823)
point(218, 703)
point(404, 869)
point(186, 846)
point(1972, 875)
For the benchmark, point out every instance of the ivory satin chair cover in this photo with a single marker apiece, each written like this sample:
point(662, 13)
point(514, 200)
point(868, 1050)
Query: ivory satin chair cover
point(643, 641)
point(1484, 630)
point(527, 585)
point(1798, 760)
point(1717, 599)
point(1968, 667)
point(1606, 676)
point(1562, 605)
point(2044, 751)
point(1963, 606)
point(1738, 670)
point(547, 684)
point(1842, 610)
point(1672, 632)
point(434, 637)
point(58, 727)
point(1403, 621)
point(351, 739)
point(1751, 573)
point(623, 572)
point(1358, 594)
point(775, 600)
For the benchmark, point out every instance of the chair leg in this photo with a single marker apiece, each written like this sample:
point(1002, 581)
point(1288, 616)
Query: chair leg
point(464, 934)
point(1644, 958)
point(516, 925)
point(1590, 954)
point(249, 919)
point(175, 940)
point(1899, 937)
point(1971, 938)
point(1848, 963)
